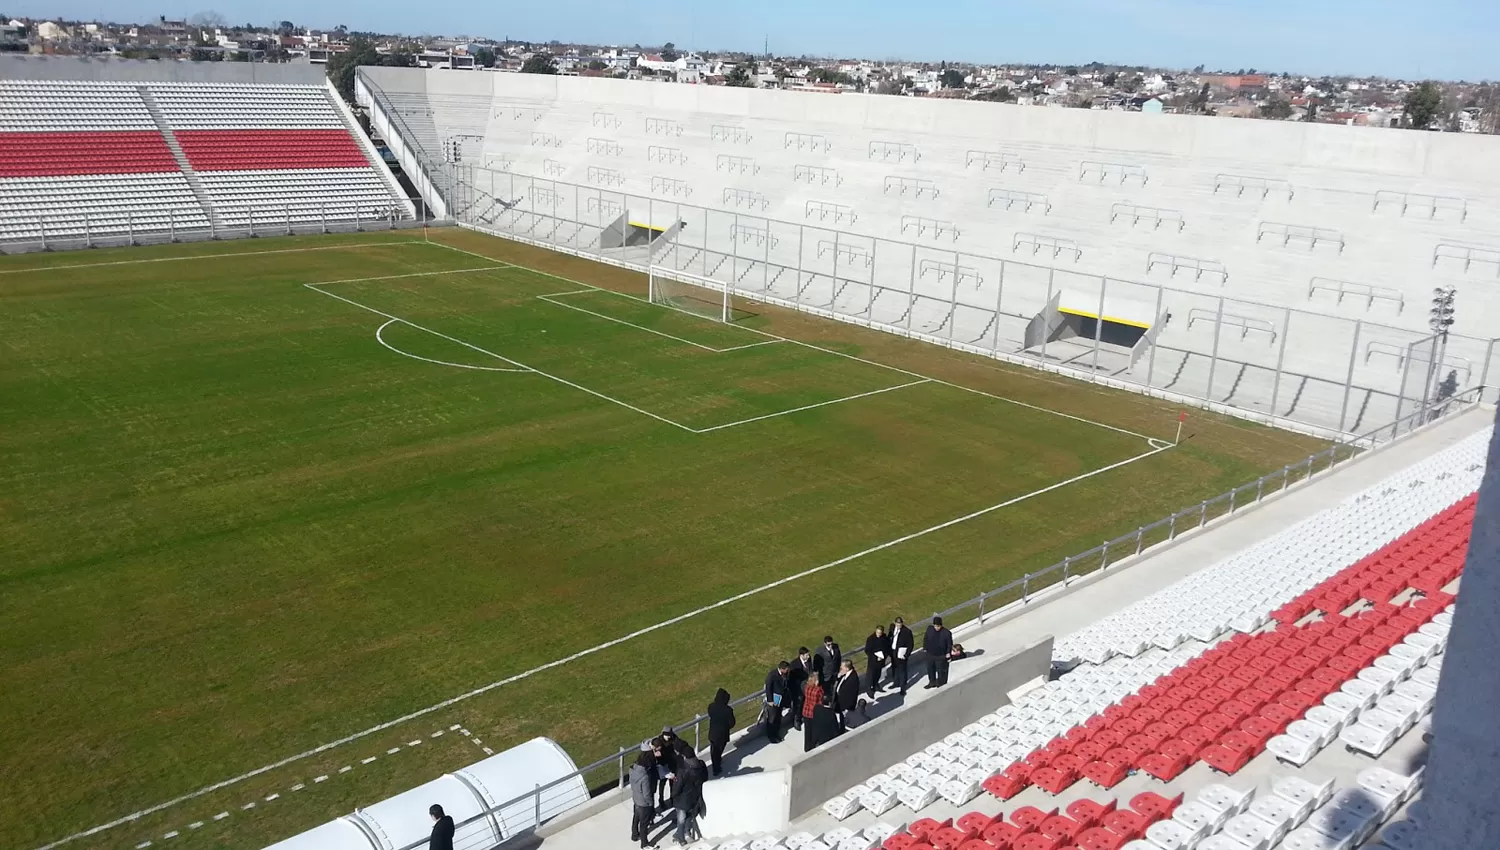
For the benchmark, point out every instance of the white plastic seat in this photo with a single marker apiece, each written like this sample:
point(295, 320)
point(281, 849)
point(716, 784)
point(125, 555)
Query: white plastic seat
point(1405, 835)
point(840, 807)
point(1307, 838)
point(1293, 750)
point(1224, 799)
point(1252, 832)
point(1279, 812)
point(1301, 789)
point(1199, 817)
point(1172, 835)
point(916, 797)
point(1370, 740)
point(880, 800)
point(1384, 782)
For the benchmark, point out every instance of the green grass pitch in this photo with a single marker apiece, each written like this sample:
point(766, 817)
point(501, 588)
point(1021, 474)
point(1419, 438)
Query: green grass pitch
point(242, 517)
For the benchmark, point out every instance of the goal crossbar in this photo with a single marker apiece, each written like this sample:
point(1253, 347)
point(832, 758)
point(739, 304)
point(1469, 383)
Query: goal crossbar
point(689, 293)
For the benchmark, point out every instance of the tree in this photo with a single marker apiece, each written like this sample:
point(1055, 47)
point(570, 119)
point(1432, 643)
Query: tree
point(669, 52)
point(739, 77)
point(828, 75)
point(1200, 100)
point(1086, 103)
point(596, 65)
point(208, 20)
point(999, 94)
point(341, 66)
point(484, 57)
point(1110, 79)
point(1070, 71)
point(951, 79)
point(1133, 84)
point(203, 54)
point(286, 28)
point(1276, 110)
point(1423, 104)
point(539, 63)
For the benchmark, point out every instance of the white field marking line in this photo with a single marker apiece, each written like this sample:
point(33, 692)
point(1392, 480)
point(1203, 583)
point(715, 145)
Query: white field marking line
point(811, 406)
point(407, 274)
point(219, 256)
point(1037, 408)
point(380, 338)
point(478, 743)
point(483, 689)
point(300, 786)
point(563, 381)
point(548, 298)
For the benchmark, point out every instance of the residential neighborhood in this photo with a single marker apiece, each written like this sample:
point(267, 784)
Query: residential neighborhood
point(1447, 106)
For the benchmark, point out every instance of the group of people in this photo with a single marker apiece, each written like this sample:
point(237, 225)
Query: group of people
point(667, 778)
point(820, 691)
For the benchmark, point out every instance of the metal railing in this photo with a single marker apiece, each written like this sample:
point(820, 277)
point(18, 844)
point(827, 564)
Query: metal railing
point(610, 771)
point(60, 231)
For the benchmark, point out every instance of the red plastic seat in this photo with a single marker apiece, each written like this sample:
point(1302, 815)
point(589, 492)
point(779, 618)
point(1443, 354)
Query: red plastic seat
point(1123, 756)
point(1216, 723)
point(1154, 806)
point(1127, 726)
point(1089, 751)
point(1002, 835)
point(1004, 786)
point(974, 823)
point(1036, 841)
point(1224, 759)
point(975, 844)
point(1061, 827)
point(899, 841)
point(1098, 838)
point(923, 828)
point(1127, 824)
point(1054, 780)
point(1088, 812)
point(1030, 817)
point(948, 838)
point(1163, 766)
point(1105, 774)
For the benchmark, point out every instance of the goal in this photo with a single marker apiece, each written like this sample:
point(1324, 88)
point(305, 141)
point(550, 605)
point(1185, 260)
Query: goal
point(701, 296)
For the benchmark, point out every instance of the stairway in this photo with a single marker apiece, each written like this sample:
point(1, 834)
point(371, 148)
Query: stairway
point(193, 180)
point(372, 156)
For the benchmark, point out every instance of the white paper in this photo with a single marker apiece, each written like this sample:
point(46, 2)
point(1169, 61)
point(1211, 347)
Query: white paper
point(901, 653)
point(880, 656)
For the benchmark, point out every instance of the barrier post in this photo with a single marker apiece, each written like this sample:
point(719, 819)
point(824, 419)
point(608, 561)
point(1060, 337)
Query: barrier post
point(323, 215)
point(359, 222)
point(171, 226)
point(289, 219)
point(41, 221)
point(130, 226)
point(88, 232)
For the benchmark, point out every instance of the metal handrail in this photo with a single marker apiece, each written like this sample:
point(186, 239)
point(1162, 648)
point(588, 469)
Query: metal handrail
point(1093, 560)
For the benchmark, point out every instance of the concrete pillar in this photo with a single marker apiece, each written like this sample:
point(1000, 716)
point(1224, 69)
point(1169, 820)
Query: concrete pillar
point(1465, 756)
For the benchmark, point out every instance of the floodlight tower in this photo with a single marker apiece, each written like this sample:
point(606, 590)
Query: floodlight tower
point(1439, 320)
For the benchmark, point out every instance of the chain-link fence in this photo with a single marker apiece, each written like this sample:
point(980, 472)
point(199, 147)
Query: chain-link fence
point(70, 230)
point(1290, 367)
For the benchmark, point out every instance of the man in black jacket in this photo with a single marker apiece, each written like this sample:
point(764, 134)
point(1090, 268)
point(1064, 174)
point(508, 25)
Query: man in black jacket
point(846, 693)
point(720, 724)
point(777, 699)
point(442, 829)
point(829, 659)
point(936, 644)
point(877, 653)
point(902, 644)
point(803, 668)
point(687, 798)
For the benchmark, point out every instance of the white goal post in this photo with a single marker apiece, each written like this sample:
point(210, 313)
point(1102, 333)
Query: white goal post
point(689, 293)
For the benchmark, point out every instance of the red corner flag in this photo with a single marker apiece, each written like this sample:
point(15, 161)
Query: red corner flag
point(1182, 416)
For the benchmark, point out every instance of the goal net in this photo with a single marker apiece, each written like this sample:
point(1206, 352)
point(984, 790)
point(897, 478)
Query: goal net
point(700, 296)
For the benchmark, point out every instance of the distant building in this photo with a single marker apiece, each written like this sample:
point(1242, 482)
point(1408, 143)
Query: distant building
point(48, 31)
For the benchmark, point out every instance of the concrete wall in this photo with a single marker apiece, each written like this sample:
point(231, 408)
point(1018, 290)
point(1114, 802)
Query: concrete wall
point(1465, 756)
point(867, 750)
point(864, 205)
point(20, 67)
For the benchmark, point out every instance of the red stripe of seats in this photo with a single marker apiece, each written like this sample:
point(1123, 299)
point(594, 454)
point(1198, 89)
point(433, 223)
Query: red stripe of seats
point(264, 150)
point(65, 154)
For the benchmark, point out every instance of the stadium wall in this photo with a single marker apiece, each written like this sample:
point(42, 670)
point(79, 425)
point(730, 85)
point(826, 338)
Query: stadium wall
point(105, 69)
point(959, 223)
point(869, 749)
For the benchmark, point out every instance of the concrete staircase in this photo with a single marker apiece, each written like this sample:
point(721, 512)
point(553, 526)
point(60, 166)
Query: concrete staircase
point(182, 161)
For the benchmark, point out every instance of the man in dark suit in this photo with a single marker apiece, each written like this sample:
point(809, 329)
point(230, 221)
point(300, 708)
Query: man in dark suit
point(846, 693)
point(777, 699)
point(829, 659)
point(902, 643)
point(803, 669)
point(720, 725)
point(877, 654)
point(442, 829)
point(936, 644)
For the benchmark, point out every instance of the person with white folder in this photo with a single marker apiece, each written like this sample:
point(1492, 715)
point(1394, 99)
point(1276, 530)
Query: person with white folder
point(878, 651)
point(902, 643)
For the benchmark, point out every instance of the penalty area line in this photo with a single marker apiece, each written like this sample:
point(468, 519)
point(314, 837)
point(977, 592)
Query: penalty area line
point(778, 338)
point(810, 406)
point(187, 257)
point(451, 701)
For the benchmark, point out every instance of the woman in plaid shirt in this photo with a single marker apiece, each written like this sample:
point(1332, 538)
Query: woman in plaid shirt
point(815, 715)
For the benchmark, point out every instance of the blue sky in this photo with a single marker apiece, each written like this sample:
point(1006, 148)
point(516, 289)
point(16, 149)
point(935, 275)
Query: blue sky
point(1449, 39)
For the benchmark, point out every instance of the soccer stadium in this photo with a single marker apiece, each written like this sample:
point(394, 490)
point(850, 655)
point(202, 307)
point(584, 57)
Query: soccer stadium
point(338, 485)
